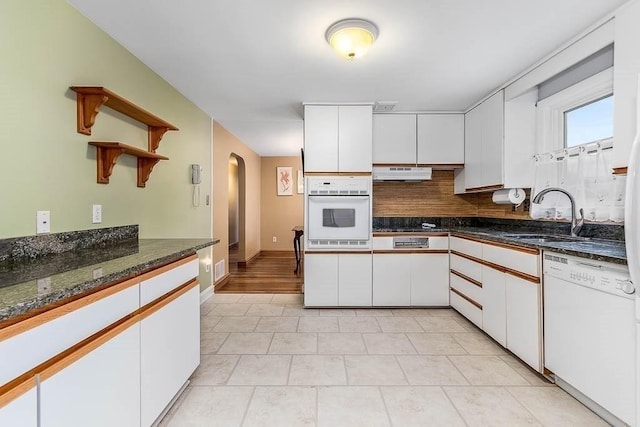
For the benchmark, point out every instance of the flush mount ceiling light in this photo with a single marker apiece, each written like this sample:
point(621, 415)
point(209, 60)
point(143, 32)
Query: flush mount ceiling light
point(352, 38)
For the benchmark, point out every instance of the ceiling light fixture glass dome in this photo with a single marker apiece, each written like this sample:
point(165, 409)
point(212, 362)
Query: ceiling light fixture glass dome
point(351, 38)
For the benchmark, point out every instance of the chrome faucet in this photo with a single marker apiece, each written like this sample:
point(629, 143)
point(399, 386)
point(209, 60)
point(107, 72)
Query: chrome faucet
point(576, 224)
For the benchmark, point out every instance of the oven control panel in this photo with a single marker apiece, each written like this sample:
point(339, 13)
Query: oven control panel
point(338, 186)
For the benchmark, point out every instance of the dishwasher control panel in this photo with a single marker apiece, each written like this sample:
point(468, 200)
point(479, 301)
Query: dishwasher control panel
point(604, 276)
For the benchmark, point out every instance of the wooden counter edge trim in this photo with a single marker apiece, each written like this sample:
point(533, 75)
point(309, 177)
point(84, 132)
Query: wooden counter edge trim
point(11, 394)
point(59, 311)
point(158, 271)
point(167, 298)
point(356, 252)
point(410, 251)
point(512, 246)
point(485, 188)
point(465, 277)
point(425, 234)
point(84, 347)
point(469, 257)
point(620, 171)
point(466, 298)
point(524, 276)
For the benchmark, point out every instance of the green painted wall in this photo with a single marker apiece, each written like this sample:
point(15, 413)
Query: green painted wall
point(47, 46)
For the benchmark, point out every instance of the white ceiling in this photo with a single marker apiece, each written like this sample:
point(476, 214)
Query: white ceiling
point(251, 63)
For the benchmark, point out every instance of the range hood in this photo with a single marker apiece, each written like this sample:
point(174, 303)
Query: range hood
point(401, 173)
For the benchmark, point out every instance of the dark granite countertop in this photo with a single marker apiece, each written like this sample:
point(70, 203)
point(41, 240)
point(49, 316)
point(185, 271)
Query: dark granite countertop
point(70, 273)
point(591, 248)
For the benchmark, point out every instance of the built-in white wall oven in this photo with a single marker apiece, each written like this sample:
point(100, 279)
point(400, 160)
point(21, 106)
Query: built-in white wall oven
point(338, 212)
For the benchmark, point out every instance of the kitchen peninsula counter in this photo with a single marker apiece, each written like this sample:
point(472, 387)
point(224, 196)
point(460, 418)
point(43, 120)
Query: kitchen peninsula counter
point(30, 286)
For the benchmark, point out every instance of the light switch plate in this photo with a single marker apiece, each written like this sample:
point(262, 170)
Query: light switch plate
point(43, 222)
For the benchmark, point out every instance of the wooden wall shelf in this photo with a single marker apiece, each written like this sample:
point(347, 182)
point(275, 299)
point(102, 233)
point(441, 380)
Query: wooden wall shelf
point(108, 152)
point(90, 98)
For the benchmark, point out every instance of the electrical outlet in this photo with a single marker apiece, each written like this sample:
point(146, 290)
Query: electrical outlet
point(44, 286)
point(96, 217)
point(43, 222)
point(207, 267)
point(97, 273)
point(274, 239)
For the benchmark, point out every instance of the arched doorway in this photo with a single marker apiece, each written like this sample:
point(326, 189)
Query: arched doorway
point(236, 201)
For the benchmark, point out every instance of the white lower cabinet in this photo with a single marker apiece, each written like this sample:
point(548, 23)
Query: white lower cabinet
point(99, 388)
point(333, 280)
point(391, 280)
point(321, 280)
point(429, 279)
point(524, 317)
point(354, 280)
point(20, 410)
point(417, 279)
point(494, 320)
point(169, 351)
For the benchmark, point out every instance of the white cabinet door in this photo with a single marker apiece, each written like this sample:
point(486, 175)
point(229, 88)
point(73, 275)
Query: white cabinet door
point(392, 280)
point(430, 280)
point(321, 280)
point(394, 138)
point(354, 280)
point(20, 411)
point(101, 388)
point(321, 138)
point(492, 139)
point(524, 320)
point(473, 148)
point(494, 321)
point(625, 81)
point(169, 351)
point(441, 138)
point(355, 138)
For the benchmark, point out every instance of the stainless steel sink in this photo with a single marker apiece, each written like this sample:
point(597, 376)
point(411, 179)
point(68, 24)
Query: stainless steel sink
point(544, 238)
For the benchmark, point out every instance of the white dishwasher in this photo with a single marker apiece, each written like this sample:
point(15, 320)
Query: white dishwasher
point(589, 333)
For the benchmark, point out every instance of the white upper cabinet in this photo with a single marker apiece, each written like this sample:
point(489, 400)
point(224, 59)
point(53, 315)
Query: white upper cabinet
point(484, 134)
point(427, 139)
point(625, 81)
point(321, 138)
point(473, 148)
point(394, 138)
point(441, 139)
point(355, 138)
point(338, 138)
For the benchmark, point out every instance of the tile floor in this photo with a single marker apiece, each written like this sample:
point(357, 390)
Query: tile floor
point(267, 361)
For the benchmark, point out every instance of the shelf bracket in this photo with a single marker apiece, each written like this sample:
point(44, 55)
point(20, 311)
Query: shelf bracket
point(145, 166)
point(107, 158)
point(155, 135)
point(88, 109)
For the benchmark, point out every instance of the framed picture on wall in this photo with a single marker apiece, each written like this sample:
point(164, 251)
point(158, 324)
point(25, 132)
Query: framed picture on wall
point(284, 180)
point(300, 182)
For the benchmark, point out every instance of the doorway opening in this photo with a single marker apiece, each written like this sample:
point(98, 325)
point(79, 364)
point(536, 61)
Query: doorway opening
point(236, 201)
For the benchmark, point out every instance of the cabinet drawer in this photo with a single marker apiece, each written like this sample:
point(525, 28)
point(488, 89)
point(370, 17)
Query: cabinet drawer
point(471, 290)
point(512, 258)
point(464, 307)
point(154, 285)
point(27, 344)
point(465, 246)
point(467, 267)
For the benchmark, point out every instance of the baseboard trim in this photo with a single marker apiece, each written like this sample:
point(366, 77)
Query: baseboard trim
point(278, 254)
point(206, 294)
point(221, 283)
point(245, 263)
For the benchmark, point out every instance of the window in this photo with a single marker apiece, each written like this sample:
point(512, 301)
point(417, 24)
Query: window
point(588, 123)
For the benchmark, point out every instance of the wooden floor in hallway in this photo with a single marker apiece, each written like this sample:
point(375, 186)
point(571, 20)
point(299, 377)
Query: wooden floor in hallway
point(270, 273)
